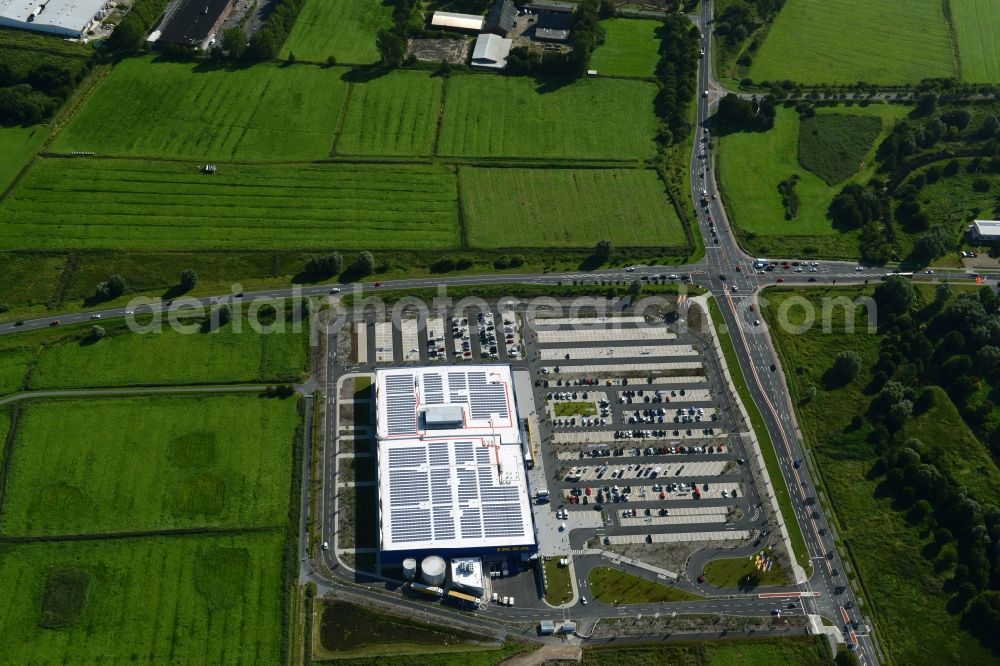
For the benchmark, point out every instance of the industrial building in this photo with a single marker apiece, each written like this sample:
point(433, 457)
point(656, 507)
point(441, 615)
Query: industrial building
point(491, 51)
point(555, 20)
point(194, 24)
point(470, 22)
point(985, 231)
point(451, 473)
point(500, 17)
point(67, 18)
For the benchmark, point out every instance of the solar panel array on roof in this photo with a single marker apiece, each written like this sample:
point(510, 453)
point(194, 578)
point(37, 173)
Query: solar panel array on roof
point(401, 405)
point(486, 399)
point(440, 490)
point(433, 390)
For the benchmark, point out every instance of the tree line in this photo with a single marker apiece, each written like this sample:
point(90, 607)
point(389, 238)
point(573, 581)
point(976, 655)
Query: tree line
point(676, 75)
point(954, 343)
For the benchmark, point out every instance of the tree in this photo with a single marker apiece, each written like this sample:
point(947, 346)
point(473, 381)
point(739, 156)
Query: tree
point(897, 294)
point(290, 59)
point(931, 245)
point(189, 279)
point(97, 332)
point(234, 42)
point(635, 289)
point(326, 265)
point(331, 61)
point(942, 293)
point(603, 251)
point(111, 288)
point(846, 366)
point(391, 47)
point(927, 103)
point(364, 264)
point(225, 314)
point(845, 658)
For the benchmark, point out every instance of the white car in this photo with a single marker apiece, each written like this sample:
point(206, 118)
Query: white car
point(335, 290)
point(756, 322)
point(326, 545)
point(95, 316)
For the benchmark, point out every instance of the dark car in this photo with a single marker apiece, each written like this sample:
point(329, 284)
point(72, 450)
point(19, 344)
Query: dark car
point(722, 277)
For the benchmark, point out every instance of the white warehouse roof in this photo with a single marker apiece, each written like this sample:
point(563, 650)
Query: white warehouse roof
point(450, 466)
point(465, 401)
point(452, 493)
point(491, 51)
point(988, 227)
point(458, 21)
point(68, 18)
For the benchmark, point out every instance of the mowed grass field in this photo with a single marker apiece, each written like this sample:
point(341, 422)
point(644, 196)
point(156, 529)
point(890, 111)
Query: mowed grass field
point(93, 466)
point(17, 145)
point(202, 112)
point(752, 164)
point(977, 24)
point(183, 600)
point(845, 41)
point(506, 116)
point(70, 358)
point(393, 114)
point(133, 204)
point(567, 208)
point(797, 651)
point(630, 48)
point(344, 29)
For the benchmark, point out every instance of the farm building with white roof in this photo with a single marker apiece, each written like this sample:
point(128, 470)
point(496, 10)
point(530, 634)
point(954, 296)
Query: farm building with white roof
point(67, 18)
point(451, 473)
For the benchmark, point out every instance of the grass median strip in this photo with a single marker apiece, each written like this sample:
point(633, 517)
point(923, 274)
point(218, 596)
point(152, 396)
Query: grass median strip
point(559, 587)
point(612, 586)
point(767, 449)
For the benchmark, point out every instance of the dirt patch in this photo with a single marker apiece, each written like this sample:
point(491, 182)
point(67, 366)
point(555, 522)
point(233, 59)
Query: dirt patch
point(547, 654)
point(454, 51)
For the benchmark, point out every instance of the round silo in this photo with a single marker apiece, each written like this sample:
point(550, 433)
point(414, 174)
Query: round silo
point(432, 570)
point(409, 568)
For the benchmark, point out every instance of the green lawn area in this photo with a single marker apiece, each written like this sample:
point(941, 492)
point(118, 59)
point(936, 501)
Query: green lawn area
point(767, 446)
point(157, 205)
point(630, 48)
point(797, 651)
point(17, 146)
point(977, 25)
point(613, 586)
point(393, 114)
point(845, 41)
point(203, 112)
point(15, 361)
point(560, 588)
point(190, 600)
point(87, 466)
point(511, 116)
point(575, 408)
point(834, 146)
point(517, 208)
point(68, 358)
point(734, 572)
point(344, 29)
point(752, 164)
point(900, 584)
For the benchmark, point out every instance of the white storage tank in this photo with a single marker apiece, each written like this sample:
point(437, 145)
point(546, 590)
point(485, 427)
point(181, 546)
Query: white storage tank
point(409, 568)
point(432, 570)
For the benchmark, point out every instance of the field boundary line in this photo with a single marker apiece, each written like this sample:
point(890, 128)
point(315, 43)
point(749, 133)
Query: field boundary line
point(66, 276)
point(340, 120)
point(142, 534)
point(8, 450)
point(440, 116)
point(138, 391)
point(956, 55)
point(463, 227)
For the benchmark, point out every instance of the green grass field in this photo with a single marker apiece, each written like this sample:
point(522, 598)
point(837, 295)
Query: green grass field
point(845, 41)
point(17, 146)
point(746, 652)
point(344, 29)
point(560, 588)
point(901, 585)
point(752, 164)
point(630, 48)
point(954, 202)
point(977, 25)
point(69, 358)
point(92, 466)
point(393, 114)
point(613, 586)
point(151, 205)
point(567, 208)
point(733, 572)
point(201, 112)
point(506, 116)
point(834, 146)
point(190, 600)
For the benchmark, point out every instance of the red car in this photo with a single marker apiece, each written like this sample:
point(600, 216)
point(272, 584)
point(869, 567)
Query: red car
point(738, 269)
point(54, 322)
point(378, 284)
point(781, 279)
